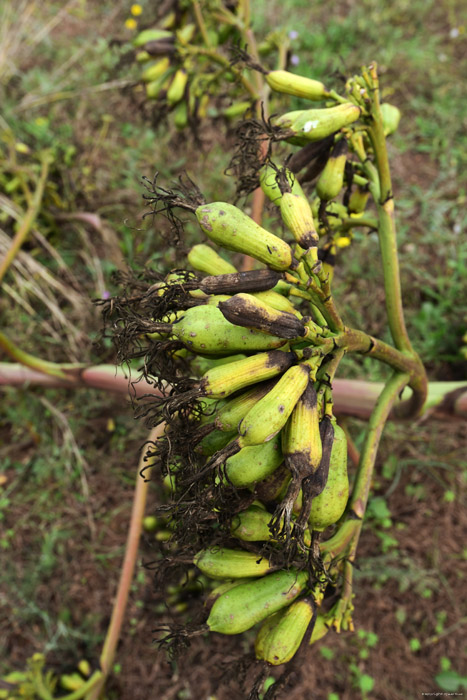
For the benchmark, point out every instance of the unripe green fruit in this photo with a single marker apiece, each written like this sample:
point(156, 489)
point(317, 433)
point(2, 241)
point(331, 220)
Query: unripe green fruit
point(223, 381)
point(297, 85)
point(156, 70)
point(222, 562)
point(270, 414)
point(268, 183)
point(205, 259)
point(320, 629)
point(214, 441)
point(229, 227)
point(253, 463)
point(316, 124)
point(243, 607)
point(331, 180)
point(204, 329)
point(284, 637)
point(151, 35)
point(327, 508)
point(391, 118)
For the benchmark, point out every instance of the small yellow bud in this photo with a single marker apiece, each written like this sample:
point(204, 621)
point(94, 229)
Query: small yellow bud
point(21, 147)
point(136, 10)
point(131, 23)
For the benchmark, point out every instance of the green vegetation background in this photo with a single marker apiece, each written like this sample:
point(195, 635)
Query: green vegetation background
point(68, 459)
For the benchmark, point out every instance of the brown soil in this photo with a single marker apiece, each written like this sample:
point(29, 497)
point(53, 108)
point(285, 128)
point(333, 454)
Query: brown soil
point(83, 581)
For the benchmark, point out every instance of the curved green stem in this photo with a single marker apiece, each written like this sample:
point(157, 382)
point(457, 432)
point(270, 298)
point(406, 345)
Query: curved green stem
point(343, 544)
point(62, 371)
point(200, 22)
point(393, 387)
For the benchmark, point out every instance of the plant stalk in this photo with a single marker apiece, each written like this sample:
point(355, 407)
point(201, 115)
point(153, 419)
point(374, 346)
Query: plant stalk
point(127, 571)
point(29, 218)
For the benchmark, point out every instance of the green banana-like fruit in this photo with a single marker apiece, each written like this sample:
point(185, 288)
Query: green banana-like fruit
point(253, 525)
point(358, 200)
point(391, 118)
point(213, 442)
point(327, 508)
point(268, 176)
point(223, 562)
point(301, 441)
point(214, 299)
point(186, 33)
point(231, 413)
point(283, 638)
point(180, 115)
point(151, 35)
point(331, 180)
point(237, 109)
point(223, 381)
point(277, 301)
point(72, 681)
point(297, 216)
point(316, 124)
point(168, 21)
point(84, 667)
point(200, 364)
point(302, 449)
point(248, 311)
point(252, 464)
point(243, 607)
point(335, 211)
point(269, 415)
point(153, 72)
point(143, 57)
point(176, 89)
point(271, 489)
point(223, 588)
point(205, 329)
point(155, 87)
point(297, 85)
point(229, 227)
point(203, 258)
point(266, 628)
point(320, 629)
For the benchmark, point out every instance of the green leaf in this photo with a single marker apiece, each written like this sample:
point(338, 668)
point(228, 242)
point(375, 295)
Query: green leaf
point(450, 681)
point(327, 653)
point(366, 683)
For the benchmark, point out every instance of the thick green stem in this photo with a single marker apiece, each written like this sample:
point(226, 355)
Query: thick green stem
point(200, 22)
point(344, 542)
point(387, 226)
point(392, 286)
point(62, 371)
point(393, 387)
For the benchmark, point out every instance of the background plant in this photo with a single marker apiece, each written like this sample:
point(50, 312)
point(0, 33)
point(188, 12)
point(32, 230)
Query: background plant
point(431, 65)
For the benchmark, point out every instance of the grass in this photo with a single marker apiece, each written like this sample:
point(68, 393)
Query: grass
point(54, 96)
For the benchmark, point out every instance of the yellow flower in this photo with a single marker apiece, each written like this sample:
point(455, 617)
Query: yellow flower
point(131, 23)
point(136, 10)
point(343, 241)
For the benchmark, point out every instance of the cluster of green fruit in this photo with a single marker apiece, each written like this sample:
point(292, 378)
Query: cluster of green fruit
point(244, 362)
point(183, 67)
point(35, 682)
